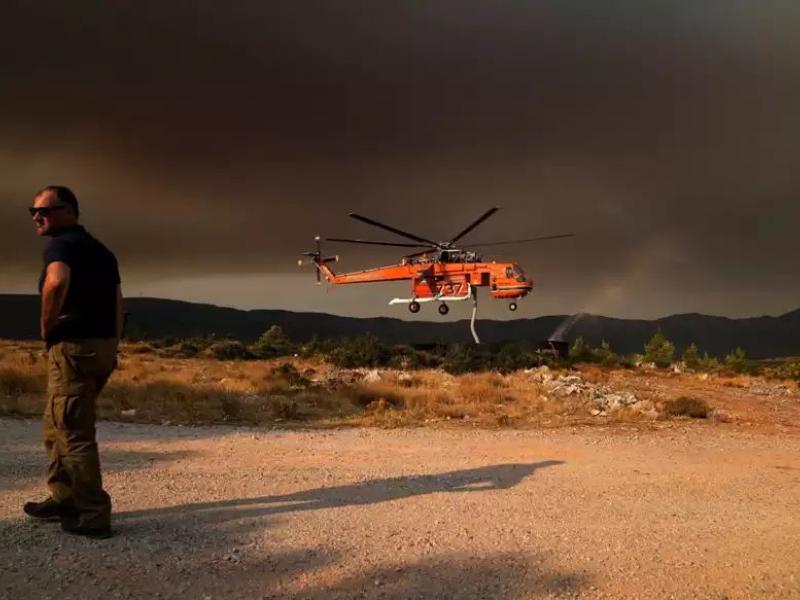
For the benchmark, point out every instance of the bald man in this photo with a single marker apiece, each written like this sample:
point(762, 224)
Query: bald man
point(81, 323)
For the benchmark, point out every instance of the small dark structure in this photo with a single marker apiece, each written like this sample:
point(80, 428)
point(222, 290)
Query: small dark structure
point(556, 348)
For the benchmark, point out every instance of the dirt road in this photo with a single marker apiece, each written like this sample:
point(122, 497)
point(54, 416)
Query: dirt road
point(687, 511)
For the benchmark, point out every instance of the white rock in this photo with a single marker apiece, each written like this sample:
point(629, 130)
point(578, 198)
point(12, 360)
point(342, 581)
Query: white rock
point(371, 376)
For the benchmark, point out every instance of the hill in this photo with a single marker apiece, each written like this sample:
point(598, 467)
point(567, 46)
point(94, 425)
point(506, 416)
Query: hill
point(761, 337)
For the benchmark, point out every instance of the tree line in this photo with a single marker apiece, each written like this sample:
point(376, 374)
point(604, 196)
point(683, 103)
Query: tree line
point(368, 351)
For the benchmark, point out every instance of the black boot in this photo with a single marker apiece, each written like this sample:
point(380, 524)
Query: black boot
point(47, 510)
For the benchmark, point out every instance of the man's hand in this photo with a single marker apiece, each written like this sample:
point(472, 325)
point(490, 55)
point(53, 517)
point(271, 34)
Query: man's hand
point(54, 291)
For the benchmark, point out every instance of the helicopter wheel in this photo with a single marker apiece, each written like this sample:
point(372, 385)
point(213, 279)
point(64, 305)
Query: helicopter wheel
point(413, 306)
point(444, 309)
point(512, 307)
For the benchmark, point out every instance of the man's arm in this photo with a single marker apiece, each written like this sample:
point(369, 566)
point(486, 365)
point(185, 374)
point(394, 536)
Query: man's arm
point(54, 291)
point(120, 313)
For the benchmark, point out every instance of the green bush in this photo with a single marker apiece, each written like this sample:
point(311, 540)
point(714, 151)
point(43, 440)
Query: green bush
point(317, 347)
point(659, 350)
point(361, 351)
point(736, 361)
point(605, 355)
point(134, 332)
point(511, 357)
point(289, 373)
point(462, 359)
point(406, 357)
point(691, 357)
point(709, 364)
point(188, 348)
point(228, 350)
point(183, 348)
point(580, 351)
point(271, 343)
point(784, 370)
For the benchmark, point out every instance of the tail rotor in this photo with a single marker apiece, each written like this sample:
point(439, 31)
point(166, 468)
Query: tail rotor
point(318, 260)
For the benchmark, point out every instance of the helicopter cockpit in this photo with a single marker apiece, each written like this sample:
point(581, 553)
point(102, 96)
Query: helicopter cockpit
point(516, 273)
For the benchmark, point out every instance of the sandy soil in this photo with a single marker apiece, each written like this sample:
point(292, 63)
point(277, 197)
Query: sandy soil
point(685, 511)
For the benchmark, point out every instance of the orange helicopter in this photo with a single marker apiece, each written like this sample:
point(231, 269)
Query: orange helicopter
point(442, 272)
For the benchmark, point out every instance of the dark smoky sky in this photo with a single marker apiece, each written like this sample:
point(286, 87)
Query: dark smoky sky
point(209, 142)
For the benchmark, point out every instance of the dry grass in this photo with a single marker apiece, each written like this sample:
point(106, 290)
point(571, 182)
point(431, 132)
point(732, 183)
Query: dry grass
point(23, 378)
point(684, 406)
point(150, 388)
point(305, 392)
point(483, 399)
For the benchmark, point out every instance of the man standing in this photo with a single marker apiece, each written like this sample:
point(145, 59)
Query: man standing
point(81, 323)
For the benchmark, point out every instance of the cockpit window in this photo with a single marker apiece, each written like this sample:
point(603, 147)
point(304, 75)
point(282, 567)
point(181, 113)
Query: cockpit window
point(509, 272)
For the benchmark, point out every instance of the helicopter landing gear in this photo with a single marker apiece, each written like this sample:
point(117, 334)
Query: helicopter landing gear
point(443, 309)
point(413, 306)
point(512, 307)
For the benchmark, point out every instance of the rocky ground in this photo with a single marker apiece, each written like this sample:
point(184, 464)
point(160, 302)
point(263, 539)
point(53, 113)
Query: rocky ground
point(675, 509)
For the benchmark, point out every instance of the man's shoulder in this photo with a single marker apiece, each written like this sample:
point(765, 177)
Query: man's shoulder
point(74, 244)
point(58, 248)
point(100, 246)
point(69, 237)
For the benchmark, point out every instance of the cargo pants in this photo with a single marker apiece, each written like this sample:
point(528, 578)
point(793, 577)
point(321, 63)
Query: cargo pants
point(77, 371)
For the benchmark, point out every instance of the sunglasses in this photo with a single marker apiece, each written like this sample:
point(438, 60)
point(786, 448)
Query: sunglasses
point(44, 211)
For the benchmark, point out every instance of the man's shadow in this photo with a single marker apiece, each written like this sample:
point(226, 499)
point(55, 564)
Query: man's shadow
point(494, 477)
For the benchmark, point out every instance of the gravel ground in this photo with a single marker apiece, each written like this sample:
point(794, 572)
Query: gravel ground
point(686, 511)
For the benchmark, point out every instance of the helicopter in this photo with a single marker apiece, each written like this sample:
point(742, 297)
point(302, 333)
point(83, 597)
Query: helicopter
point(442, 272)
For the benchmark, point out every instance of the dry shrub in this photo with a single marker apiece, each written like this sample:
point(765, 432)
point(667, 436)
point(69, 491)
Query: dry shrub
point(260, 410)
point(434, 403)
point(23, 382)
point(731, 379)
point(22, 406)
point(483, 389)
point(504, 420)
point(164, 400)
point(687, 407)
point(595, 374)
point(364, 395)
point(16, 382)
point(403, 379)
point(275, 388)
point(286, 374)
point(139, 348)
point(285, 409)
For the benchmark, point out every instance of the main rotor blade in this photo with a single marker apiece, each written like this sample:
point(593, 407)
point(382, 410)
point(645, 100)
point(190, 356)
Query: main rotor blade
point(429, 251)
point(372, 243)
point(477, 222)
point(536, 239)
point(410, 236)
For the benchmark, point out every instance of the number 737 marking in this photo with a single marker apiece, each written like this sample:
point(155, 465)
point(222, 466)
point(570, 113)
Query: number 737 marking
point(445, 288)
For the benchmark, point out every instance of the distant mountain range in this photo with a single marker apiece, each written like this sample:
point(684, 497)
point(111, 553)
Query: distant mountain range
point(760, 337)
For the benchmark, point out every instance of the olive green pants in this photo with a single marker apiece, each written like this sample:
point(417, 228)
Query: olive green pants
point(77, 371)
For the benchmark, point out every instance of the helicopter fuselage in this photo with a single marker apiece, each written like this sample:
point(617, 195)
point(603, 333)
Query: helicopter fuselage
point(443, 280)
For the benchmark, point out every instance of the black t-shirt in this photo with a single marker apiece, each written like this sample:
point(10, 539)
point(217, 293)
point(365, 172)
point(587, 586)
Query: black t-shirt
point(89, 309)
